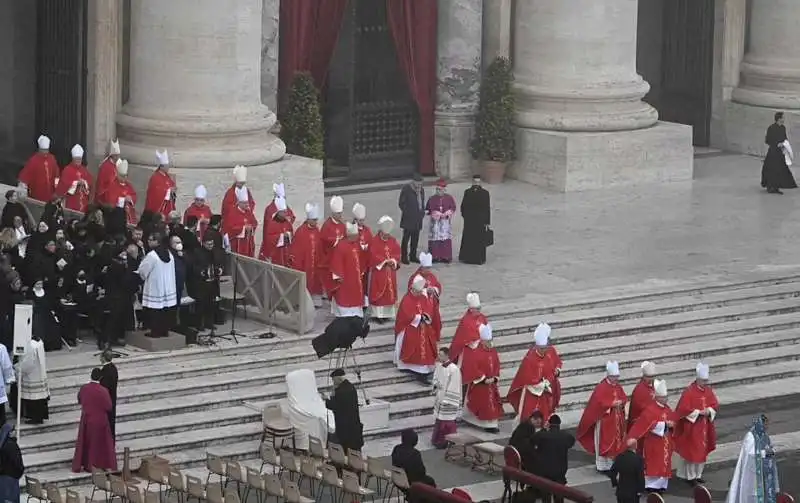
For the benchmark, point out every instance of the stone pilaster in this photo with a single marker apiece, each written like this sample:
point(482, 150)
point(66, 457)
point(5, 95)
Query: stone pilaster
point(458, 86)
point(582, 121)
point(270, 28)
point(497, 27)
point(770, 76)
point(104, 77)
point(195, 89)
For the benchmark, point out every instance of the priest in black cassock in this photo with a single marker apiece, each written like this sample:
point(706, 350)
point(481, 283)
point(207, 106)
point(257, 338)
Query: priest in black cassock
point(775, 173)
point(344, 405)
point(109, 378)
point(476, 210)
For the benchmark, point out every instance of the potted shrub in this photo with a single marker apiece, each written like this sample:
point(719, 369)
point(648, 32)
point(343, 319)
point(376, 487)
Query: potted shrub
point(494, 142)
point(301, 123)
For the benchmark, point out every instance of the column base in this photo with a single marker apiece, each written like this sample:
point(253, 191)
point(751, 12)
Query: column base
point(302, 177)
point(746, 125)
point(569, 162)
point(453, 135)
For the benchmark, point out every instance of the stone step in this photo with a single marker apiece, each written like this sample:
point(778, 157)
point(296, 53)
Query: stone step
point(176, 385)
point(741, 291)
point(579, 378)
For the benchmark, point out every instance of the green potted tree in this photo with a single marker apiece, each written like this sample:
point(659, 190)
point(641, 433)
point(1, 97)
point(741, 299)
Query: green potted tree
point(301, 123)
point(493, 145)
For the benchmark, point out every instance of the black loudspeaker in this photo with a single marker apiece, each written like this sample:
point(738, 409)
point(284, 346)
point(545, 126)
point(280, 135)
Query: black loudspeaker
point(341, 333)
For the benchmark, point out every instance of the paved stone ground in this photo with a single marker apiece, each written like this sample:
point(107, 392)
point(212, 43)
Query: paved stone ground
point(720, 223)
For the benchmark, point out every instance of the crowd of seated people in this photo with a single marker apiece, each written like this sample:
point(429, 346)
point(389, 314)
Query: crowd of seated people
point(81, 271)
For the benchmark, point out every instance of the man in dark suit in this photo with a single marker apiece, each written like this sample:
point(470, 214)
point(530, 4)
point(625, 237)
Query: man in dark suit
point(344, 404)
point(108, 379)
point(412, 209)
point(627, 475)
point(553, 445)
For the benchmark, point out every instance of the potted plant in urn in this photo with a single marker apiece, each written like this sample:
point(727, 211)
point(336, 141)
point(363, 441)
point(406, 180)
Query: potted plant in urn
point(301, 124)
point(494, 142)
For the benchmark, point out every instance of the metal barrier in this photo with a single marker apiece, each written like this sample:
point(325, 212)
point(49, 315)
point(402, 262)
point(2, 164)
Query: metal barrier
point(270, 294)
point(542, 485)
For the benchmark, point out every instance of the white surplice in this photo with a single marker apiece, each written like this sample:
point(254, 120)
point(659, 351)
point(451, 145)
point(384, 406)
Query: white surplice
point(447, 385)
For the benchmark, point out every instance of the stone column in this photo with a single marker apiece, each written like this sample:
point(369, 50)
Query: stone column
point(496, 30)
point(457, 90)
point(104, 77)
point(582, 122)
point(770, 75)
point(270, 53)
point(195, 89)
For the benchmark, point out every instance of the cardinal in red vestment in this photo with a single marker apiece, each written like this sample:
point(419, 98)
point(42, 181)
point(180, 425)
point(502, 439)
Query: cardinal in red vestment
point(161, 194)
point(642, 396)
point(232, 196)
point(347, 270)
point(416, 338)
point(695, 433)
point(433, 288)
point(653, 429)
point(536, 385)
point(40, 174)
point(240, 227)
point(304, 254)
point(332, 233)
point(107, 173)
point(480, 372)
point(468, 330)
point(122, 193)
point(94, 447)
point(199, 210)
point(278, 235)
point(364, 239)
point(75, 184)
point(384, 261)
point(601, 430)
point(279, 191)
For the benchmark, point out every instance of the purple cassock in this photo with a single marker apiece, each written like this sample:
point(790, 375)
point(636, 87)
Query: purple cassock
point(441, 208)
point(94, 447)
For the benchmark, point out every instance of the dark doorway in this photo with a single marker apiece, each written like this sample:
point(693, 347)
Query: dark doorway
point(370, 117)
point(61, 74)
point(676, 55)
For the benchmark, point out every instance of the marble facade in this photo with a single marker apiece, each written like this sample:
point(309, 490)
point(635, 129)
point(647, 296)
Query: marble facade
point(582, 121)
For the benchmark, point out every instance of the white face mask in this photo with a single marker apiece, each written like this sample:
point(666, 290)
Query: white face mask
point(38, 291)
point(179, 247)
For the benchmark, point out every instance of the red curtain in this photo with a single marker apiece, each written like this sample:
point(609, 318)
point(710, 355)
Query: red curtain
point(309, 30)
point(414, 28)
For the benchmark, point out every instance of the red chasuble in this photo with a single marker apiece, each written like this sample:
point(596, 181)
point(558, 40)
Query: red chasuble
point(431, 281)
point(537, 365)
point(331, 234)
point(641, 398)
point(273, 230)
point(240, 226)
point(304, 256)
point(40, 174)
point(160, 194)
point(271, 209)
point(383, 282)
point(695, 441)
point(419, 343)
point(612, 420)
point(117, 189)
point(467, 332)
point(76, 199)
point(657, 450)
point(229, 202)
point(203, 214)
point(106, 173)
point(347, 270)
point(483, 399)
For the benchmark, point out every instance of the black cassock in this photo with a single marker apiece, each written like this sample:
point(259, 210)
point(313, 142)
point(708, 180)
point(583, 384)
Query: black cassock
point(109, 377)
point(627, 476)
point(775, 174)
point(475, 208)
point(344, 405)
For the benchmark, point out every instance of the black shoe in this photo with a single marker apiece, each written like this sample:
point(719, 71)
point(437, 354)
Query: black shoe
point(699, 481)
point(404, 260)
point(415, 260)
point(492, 430)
